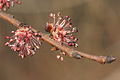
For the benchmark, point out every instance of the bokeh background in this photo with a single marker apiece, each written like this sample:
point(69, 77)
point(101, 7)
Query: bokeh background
point(98, 22)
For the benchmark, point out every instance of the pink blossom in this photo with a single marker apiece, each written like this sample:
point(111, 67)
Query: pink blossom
point(61, 29)
point(5, 4)
point(24, 41)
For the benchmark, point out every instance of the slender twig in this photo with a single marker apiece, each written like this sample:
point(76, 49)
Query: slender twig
point(71, 52)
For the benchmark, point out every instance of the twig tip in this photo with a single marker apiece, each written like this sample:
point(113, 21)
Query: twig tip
point(110, 59)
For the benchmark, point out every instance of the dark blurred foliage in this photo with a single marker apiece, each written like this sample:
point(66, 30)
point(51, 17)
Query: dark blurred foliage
point(98, 22)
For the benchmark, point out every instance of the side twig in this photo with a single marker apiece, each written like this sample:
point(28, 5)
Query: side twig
point(71, 52)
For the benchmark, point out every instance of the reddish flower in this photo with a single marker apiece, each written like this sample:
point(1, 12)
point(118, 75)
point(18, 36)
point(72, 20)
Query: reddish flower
point(5, 4)
point(61, 30)
point(24, 41)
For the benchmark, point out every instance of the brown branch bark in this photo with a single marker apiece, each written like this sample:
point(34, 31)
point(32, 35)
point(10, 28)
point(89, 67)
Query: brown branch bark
point(71, 52)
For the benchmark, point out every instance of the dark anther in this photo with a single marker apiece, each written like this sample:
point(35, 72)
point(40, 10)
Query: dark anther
point(17, 45)
point(23, 25)
point(70, 23)
point(33, 48)
point(67, 18)
point(38, 36)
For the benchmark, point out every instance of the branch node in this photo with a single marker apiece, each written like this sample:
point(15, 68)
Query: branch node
point(76, 55)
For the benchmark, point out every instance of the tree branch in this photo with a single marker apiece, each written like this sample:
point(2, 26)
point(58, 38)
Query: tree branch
point(71, 52)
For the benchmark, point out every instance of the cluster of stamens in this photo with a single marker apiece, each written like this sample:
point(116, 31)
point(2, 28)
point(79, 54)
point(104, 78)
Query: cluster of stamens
point(24, 41)
point(6, 4)
point(61, 30)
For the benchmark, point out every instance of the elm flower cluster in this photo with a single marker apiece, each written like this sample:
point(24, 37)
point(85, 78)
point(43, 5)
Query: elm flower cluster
point(24, 41)
point(6, 4)
point(61, 30)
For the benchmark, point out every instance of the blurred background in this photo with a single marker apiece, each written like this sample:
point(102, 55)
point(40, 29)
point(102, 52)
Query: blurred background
point(98, 22)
